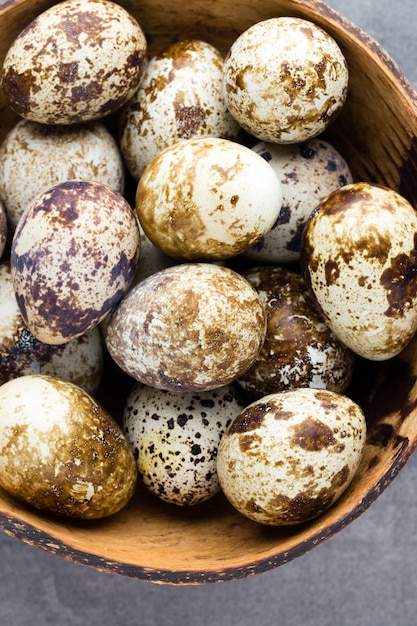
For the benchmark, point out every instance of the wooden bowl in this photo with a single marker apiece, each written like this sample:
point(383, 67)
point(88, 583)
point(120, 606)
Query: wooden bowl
point(377, 133)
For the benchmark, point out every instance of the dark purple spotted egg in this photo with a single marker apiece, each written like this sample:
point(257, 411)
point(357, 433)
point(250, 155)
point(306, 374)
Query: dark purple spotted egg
point(74, 253)
point(175, 439)
point(79, 60)
point(359, 258)
point(287, 457)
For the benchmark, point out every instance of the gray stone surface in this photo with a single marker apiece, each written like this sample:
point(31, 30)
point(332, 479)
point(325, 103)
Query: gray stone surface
point(364, 576)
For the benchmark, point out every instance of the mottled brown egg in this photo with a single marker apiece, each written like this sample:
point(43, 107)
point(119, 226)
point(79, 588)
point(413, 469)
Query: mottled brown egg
point(207, 199)
point(3, 228)
point(300, 350)
point(77, 61)
point(44, 155)
point(74, 253)
point(190, 327)
point(287, 457)
point(285, 79)
point(180, 97)
point(79, 361)
point(175, 438)
point(359, 258)
point(61, 452)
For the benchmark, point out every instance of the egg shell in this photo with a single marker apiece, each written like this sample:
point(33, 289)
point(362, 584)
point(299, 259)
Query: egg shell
point(175, 439)
point(191, 327)
point(61, 452)
point(300, 350)
point(79, 361)
point(3, 228)
point(207, 199)
point(308, 172)
point(74, 252)
point(44, 155)
point(180, 97)
point(285, 79)
point(359, 258)
point(77, 61)
point(287, 457)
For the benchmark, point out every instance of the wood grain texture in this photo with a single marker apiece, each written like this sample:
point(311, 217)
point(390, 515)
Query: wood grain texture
point(376, 132)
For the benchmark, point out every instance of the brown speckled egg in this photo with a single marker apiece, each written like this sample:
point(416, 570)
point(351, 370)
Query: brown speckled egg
point(308, 172)
point(359, 257)
point(299, 350)
point(175, 439)
point(60, 451)
point(44, 155)
point(77, 61)
point(180, 97)
point(190, 327)
point(285, 79)
point(207, 199)
point(78, 361)
point(74, 253)
point(3, 228)
point(287, 457)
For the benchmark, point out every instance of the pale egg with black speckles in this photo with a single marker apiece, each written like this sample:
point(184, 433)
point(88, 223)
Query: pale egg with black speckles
point(287, 457)
point(175, 439)
point(285, 79)
point(3, 228)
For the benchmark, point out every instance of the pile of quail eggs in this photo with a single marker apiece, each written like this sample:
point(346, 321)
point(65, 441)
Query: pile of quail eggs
point(211, 245)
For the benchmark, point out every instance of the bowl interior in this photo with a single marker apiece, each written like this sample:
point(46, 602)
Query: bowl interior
point(376, 133)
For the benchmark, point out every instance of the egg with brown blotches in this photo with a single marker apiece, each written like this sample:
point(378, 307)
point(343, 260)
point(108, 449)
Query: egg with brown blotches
point(287, 457)
point(74, 253)
point(359, 259)
point(61, 452)
point(285, 79)
point(77, 61)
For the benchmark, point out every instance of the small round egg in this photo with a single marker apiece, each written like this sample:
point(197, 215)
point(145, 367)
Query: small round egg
point(308, 172)
point(285, 79)
point(175, 439)
point(207, 199)
point(3, 228)
point(190, 327)
point(359, 258)
point(180, 97)
point(287, 457)
point(77, 61)
point(74, 253)
point(44, 155)
point(61, 452)
point(300, 350)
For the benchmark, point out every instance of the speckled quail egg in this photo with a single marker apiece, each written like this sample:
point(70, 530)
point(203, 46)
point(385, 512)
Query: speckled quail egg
point(79, 361)
point(60, 451)
point(74, 253)
point(77, 61)
point(287, 457)
point(285, 79)
point(308, 172)
point(175, 438)
point(44, 155)
point(299, 350)
point(359, 258)
point(190, 327)
point(3, 228)
point(180, 97)
point(207, 199)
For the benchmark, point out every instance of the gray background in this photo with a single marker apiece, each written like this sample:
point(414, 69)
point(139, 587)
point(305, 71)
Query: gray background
point(366, 575)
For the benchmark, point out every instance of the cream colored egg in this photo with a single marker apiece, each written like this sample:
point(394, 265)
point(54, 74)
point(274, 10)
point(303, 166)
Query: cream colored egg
point(308, 172)
point(191, 327)
point(359, 259)
point(180, 97)
point(77, 61)
point(175, 439)
point(61, 452)
point(285, 79)
point(289, 456)
point(3, 228)
point(207, 199)
point(74, 253)
point(44, 155)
